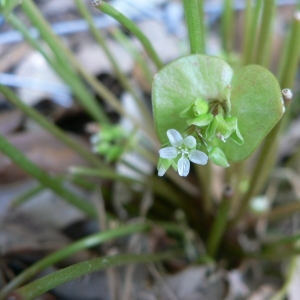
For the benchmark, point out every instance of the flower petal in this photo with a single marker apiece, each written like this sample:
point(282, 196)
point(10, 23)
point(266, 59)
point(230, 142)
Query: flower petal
point(190, 141)
point(198, 157)
point(168, 152)
point(163, 166)
point(175, 137)
point(183, 166)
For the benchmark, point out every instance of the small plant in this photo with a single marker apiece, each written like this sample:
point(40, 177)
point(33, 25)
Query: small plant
point(207, 111)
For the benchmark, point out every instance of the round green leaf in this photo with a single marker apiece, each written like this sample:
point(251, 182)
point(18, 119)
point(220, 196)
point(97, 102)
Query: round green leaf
point(256, 101)
point(180, 83)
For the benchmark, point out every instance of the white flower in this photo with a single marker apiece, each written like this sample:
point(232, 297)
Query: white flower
point(183, 147)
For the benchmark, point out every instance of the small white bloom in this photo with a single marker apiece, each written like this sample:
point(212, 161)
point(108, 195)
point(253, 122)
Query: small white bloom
point(185, 147)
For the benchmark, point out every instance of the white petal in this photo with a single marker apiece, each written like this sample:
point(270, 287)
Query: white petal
point(168, 152)
point(190, 141)
point(175, 137)
point(161, 171)
point(198, 157)
point(183, 166)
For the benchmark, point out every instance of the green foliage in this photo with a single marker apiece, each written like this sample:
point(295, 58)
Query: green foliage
point(228, 112)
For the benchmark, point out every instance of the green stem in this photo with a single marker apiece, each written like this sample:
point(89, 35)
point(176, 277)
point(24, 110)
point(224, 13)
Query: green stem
point(77, 86)
point(125, 42)
point(247, 30)
point(21, 160)
point(163, 189)
point(204, 181)
point(291, 57)
point(264, 41)
point(85, 243)
point(46, 283)
point(79, 89)
point(27, 195)
point(283, 211)
point(43, 122)
point(258, 174)
point(121, 76)
point(280, 295)
point(227, 26)
point(194, 18)
point(249, 55)
point(220, 223)
point(131, 26)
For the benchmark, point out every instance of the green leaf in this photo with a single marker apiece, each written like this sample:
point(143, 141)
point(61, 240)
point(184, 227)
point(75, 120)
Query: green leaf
point(217, 156)
point(256, 101)
point(200, 107)
point(255, 98)
point(202, 120)
point(180, 83)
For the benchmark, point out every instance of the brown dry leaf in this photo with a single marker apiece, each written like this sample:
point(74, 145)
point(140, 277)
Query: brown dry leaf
point(44, 150)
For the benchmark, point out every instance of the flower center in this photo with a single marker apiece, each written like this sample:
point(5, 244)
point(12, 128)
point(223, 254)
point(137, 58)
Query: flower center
point(183, 151)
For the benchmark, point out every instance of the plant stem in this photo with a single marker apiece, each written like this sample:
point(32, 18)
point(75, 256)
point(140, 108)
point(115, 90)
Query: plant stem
point(227, 26)
point(85, 243)
point(249, 55)
point(43, 122)
point(79, 89)
point(131, 26)
point(283, 211)
point(258, 174)
point(46, 283)
point(31, 168)
point(194, 18)
point(264, 41)
point(73, 80)
point(204, 179)
point(27, 195)
point(220, 223)
point(64, 57)
point(125, 42)
point(280, 295)
point(162, 189)
point(121, 76)
point(247, 30)
point(289, 64)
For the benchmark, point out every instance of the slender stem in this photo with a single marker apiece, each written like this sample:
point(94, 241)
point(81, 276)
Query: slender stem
point(247, 30)
point(77, 86)
point(42, 121)
point(204, 181)
point(281, 294)
point(79, 89)
point(193, 14)
point(220, 223)
point(27, 195)
point(131, 26)
point(121, 76)
point(85, 243)
point(258, 173)
point(291, 57)
point(249, 55)
point(126, 43)
point(263, 53)
point(227, 26)
point(35, 171)
point(162, 189)
point(283, 211)
point(46, 283)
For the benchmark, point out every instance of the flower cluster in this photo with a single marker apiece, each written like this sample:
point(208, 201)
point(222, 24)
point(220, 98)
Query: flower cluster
point(179, 155)
point(210, 128)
